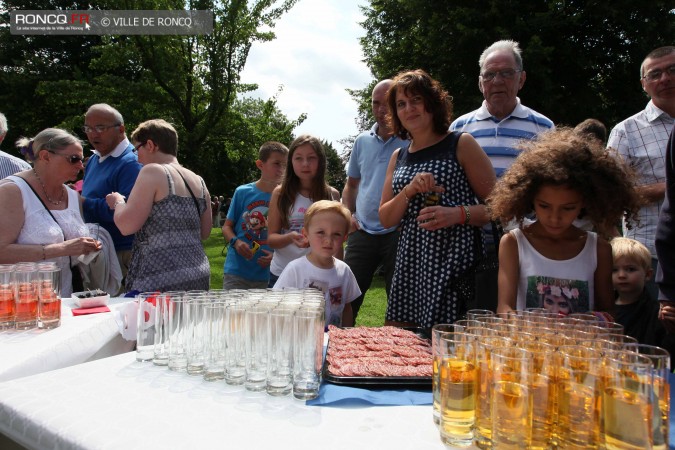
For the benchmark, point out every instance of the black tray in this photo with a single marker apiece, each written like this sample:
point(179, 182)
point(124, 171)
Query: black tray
point(379, 382)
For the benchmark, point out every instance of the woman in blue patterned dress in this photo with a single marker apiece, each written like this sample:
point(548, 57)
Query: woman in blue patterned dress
point(439, 243)
point(170, 212)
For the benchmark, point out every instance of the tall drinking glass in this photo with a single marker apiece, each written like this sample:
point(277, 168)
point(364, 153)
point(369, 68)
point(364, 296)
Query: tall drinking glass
point(543, 383)
point(145, 321)
point(177, 331)
point(280, 354)
point(161, 342)
point(512, 398)
point(7, 304)
point(482, 433)
point(235, 353)
point(458, 378)
point(195, 343)
point(256, 337)
point(627, 401)
point(579, 401)
point(308, 324)
point(160, 356)
point(26, 296)
point(436, 332)
point(214, 367)
point(49, 295)
point(660, 359)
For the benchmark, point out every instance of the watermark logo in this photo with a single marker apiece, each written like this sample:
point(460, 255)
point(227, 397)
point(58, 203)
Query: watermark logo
point(139, 22)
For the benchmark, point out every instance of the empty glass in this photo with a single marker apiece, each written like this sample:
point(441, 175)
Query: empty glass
point(280, 345)
point(235, 353)
point(177, 331)
point(195, 344)
point(256, 339)
point(308, 324)
point(214, 366)
point(145, 322)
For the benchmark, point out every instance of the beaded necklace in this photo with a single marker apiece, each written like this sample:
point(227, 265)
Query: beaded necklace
point(45, 190)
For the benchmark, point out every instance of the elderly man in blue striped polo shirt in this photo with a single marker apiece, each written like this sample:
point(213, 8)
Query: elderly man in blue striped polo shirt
point(499, 124)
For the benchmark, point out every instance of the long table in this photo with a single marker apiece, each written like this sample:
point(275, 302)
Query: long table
point(118, 403)
point(79, 339)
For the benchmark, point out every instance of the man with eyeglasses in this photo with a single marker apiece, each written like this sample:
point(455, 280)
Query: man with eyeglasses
point(497, 126)
point(641, 141)
point(113, 167)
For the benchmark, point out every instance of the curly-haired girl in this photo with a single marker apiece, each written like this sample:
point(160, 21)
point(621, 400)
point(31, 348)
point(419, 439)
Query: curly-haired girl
point(560, 176)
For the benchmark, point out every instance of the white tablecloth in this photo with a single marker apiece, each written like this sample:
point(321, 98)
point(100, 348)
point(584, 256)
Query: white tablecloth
point(79, 339)
point(117, 403)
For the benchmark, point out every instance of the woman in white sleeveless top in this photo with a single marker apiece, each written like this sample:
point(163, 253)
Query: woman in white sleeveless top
point(41, 219)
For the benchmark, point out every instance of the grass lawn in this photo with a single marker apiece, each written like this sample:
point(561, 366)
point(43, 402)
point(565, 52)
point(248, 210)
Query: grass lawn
point(371, 313)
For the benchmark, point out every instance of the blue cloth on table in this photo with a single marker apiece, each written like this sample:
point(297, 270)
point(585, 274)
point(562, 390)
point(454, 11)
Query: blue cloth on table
point(337, 395)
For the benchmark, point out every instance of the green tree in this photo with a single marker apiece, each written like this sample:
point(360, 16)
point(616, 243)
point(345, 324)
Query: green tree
point(30, 63)
point(191, 81)
point(582, 57)
point(249, 124)
point(335, 167)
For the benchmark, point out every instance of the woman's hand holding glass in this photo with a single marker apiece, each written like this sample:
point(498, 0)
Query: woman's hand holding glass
point(423, 182)
point(81, 246)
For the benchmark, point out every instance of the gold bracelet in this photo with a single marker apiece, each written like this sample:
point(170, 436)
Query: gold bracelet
point(467, 214)
point(405, 194)
point(44, 252)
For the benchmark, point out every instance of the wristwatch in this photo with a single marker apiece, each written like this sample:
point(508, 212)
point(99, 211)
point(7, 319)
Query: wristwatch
point(233, 241)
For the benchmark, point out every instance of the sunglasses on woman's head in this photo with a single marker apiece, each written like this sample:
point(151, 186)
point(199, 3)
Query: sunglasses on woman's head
point(73, 159)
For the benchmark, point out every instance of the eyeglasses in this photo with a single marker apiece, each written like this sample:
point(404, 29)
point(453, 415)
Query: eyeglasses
point(73, 159)
point(655, 75)
point(506, 74)
point(98, 128)
point(136, 147)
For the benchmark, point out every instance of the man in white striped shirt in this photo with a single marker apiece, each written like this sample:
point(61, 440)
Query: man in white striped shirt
point(641, 141)
point(9, 165)
point(502, 120)
point(498, 125)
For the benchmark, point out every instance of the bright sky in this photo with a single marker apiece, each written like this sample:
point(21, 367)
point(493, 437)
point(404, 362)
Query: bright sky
point(316, 56)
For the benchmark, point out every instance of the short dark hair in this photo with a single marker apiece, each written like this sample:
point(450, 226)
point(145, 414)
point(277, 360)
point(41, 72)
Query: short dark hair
point(656, 53)
point(270, 147)
point(159, 131)
point(436, 100)
point(593, 128)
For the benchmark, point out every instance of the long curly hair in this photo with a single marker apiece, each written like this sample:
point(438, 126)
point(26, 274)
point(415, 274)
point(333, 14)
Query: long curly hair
point(565, 158)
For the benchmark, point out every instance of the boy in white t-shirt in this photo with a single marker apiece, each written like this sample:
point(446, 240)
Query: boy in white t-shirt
point(326, 227)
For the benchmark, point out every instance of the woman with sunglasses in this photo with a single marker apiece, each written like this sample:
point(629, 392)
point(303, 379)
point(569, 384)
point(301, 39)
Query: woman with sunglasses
point(41, 217)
